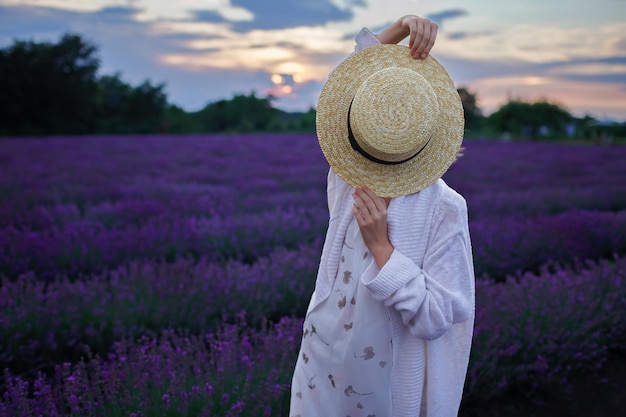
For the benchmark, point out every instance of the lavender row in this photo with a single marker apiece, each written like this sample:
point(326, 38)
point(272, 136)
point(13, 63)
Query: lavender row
point(88, 247)
point(56, 317)
point(120, 191)
point(545, 201)
point(100, 169)
point(150, 202)
point(233, 372)
point(502, 246)
point(532, 330)
point(54, 322)
point(79, 205)
point(198, 175)
point(538, 328)
point(122, 182)
point(513, 245)
point(491, 166)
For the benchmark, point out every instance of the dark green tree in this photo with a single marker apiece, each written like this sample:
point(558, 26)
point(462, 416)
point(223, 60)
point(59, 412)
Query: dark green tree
point(114, 95)
point(53, 88)
point(243, 113)
point(307, 121)
point(127, 109)
point(146, 106)
point(48, 88)
point(471, 111)
point(177, 120)
point(533, 120)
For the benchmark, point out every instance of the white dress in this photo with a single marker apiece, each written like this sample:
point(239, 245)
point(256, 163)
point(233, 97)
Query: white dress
point(345, 361)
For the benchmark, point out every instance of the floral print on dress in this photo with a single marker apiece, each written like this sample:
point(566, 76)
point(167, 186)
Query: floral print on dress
point(344, 366)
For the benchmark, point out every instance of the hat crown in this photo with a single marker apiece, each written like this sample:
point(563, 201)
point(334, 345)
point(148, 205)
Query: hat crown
point(393, 114)
point(353, 127)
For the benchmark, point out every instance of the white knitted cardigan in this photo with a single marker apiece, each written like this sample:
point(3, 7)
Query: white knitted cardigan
point(427, 286)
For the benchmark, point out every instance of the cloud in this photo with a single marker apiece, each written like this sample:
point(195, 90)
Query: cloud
point(117, 14)
point(282, 14)
point(461, 35)
point(69, 5)
point(22, 22)
point(359, 3)
point(125, 45)
point(150, 10)
point(526, 42)
point(440, 17)
point(308, 53)
point(208, 11)
point(611, 70)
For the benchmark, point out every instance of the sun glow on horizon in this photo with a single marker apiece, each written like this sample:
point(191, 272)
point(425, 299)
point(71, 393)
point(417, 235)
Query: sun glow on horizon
point(533, 80)
point(277, 79)
point(607, 100)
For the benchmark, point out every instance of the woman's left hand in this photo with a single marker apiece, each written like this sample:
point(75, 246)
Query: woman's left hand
point(371, 215)
point(422, 35)
point(421, 32)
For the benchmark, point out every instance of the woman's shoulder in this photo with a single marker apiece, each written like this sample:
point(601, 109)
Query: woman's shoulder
point(437, 192)
point(438, 198)
point(450, 195)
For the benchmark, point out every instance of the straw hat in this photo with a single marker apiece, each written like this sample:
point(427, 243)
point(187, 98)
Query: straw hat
point(389, 121)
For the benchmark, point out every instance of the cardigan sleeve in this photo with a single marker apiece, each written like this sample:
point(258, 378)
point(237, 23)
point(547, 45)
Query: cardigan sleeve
point(430, 299)
point(364, 39)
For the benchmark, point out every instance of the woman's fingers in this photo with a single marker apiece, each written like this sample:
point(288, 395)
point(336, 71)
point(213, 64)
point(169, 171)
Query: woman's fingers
point(426, 33)
point(411, 25)
point(370, 212)
point(360, 208)
point(373, 200)
point(422, 35)
point(431, 39)
point(368, 203)
point(357, 213)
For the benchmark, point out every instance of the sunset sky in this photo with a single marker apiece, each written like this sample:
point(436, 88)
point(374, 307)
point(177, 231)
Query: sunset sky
point(571, 52)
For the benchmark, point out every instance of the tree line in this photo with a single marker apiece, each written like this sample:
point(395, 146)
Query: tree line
point(54, 88)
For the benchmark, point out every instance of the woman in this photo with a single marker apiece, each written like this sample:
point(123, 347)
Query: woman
point(389, 326)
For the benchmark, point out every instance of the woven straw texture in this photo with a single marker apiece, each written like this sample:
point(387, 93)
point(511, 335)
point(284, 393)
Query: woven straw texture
point(399, 106)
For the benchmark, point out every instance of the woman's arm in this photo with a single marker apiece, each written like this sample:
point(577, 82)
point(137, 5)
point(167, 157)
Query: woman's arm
point(432, 298)
point(422, 34)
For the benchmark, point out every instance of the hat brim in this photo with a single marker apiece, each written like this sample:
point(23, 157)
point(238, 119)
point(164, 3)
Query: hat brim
point(332, 126)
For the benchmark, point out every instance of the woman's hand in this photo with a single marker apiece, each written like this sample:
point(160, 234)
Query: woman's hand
point(422, 35)
point(371, 215)
point(421, 31)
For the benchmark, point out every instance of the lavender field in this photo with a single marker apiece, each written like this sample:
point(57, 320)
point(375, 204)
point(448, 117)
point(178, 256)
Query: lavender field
point(168, 275)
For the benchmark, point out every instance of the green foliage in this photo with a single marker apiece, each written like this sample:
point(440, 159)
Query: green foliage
point(179, 121)
point(49, 88)
point(53, 88)
point(243, 113)
point(471, 111)
point(125, 109)
point(601, 132)
point(303, 122)
point(540, 118)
